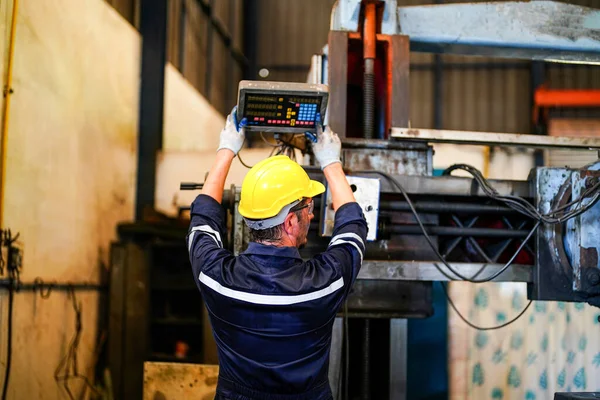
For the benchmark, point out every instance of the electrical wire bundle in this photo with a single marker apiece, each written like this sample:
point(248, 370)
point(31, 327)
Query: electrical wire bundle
point(555, 216)
point(282, 146)
point(67, 369)
point(558, 215)
point(7, 240)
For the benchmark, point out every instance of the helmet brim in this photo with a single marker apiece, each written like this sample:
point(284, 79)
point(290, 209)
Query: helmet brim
point(315, 189)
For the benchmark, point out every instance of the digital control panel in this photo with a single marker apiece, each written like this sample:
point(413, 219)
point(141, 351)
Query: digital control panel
point(281, 106)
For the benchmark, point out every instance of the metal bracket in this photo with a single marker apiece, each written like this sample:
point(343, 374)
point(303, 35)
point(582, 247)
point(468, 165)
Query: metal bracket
point(366, 193)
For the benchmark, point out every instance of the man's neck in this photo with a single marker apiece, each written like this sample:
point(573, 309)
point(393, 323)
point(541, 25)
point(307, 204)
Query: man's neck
point(283, 242)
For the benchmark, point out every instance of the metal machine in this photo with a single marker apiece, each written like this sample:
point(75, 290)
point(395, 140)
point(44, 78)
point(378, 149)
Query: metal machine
point(425, 228)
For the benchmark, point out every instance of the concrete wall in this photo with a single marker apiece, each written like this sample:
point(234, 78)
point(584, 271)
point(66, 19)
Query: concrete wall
point(70, 173)
point(72, 154)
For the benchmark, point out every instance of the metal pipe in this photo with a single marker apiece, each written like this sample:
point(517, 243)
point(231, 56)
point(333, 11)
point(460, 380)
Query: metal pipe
point(6, 110)
point(369, 51)
point(439, 207)
point(51, 286)
point(444, 207)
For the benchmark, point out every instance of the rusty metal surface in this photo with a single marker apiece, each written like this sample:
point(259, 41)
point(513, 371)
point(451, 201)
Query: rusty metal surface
point(337, 75)
point(567, 266)
point(583, 237)
point(399, 87)
point(536, 30)
point(171, 381)
point(494, 139)
point(396, 162)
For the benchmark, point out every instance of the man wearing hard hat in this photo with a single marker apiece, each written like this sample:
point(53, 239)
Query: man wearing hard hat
point(272, 312)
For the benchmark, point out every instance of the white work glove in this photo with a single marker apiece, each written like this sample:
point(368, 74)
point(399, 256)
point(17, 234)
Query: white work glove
point(328, 147)
point(232, 136)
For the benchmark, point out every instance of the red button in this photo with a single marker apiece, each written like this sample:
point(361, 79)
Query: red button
point(256, 118)
point(262, 119)
point(287, 122)
point(297, 104)
point(270, 121)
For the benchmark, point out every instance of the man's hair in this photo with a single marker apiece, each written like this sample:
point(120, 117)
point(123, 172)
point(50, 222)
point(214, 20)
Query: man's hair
point(274, 233)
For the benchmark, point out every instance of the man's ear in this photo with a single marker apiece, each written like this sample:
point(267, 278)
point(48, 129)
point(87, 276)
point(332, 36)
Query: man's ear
point(289, 222)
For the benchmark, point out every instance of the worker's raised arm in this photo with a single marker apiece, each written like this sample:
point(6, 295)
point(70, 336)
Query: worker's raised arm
point(347, 247)
point(231, 141)
point(327, 151)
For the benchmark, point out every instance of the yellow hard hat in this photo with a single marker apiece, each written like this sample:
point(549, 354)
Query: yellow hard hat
point(273, 184)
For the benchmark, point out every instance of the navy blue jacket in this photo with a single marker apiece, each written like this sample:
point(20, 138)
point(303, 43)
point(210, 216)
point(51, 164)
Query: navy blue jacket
point(271, 312)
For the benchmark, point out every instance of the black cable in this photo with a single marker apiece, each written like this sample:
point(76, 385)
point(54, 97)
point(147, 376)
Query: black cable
point(434, 247)
point(436, 251)
point(521, 205)
point(67, 368)
point(242, 161)
point(347, 358)
point(479, 328)
point(7, 240)
point(8, 343)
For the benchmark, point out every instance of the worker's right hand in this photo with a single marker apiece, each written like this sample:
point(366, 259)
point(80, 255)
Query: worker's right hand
point(328, 148)
point(233, 135)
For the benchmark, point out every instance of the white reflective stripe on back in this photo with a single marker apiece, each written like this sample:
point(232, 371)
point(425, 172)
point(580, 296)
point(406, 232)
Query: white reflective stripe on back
point(206, 229)
point(348, 235)
point(274, 300)
point(340, 241)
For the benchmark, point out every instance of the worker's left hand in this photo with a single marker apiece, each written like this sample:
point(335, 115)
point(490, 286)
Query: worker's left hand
point(233, 135)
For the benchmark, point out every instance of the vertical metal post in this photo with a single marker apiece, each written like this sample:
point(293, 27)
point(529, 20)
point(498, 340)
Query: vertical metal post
point(230, 97)
point(398, 358)
point(250, 38)
point(538, 77)
point(181, 41)
point(438, 88)
point(338, 81)
point(209, 50)
point(153, 28)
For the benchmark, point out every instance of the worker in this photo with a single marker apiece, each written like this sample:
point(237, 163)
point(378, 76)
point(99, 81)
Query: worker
point(271, 312)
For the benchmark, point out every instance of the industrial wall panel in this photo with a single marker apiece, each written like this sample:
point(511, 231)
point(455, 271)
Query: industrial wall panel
point(222, 11)
point(494, 100)
point(421, 99)
point(127, 8)
point(567, 76)
point(293, 30)
point(238, 23)
point(219, 79)
point(194, 46)
point(175, 23)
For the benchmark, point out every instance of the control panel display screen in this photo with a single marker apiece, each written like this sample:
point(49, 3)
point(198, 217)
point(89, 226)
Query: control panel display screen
point(281, 110)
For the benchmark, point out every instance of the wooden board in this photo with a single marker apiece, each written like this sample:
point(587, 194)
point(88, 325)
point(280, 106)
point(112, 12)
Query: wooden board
point(170, 381)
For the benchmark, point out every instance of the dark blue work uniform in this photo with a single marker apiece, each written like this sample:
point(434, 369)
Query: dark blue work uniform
point(271, 312)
